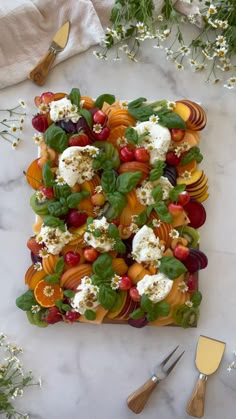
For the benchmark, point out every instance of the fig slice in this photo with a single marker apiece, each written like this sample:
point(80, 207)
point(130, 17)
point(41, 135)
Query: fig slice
point(200, 256)
point(196, 213)
point(192, 263)
point(138, 323)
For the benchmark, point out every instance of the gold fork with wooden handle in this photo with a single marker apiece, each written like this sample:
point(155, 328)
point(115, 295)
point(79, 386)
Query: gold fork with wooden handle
point(138, 399)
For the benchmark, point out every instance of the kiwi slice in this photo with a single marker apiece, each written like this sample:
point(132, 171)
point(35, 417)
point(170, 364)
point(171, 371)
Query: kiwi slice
point(190, 234)
point(40, 208)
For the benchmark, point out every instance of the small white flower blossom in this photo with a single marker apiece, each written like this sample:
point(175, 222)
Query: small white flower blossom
point(154, 119)
point(171, 105)
point(188, 303)
point(35, 309)
point(115, 282)
point(174, 234)
point(123, 104)
point(182, 287)
point(38, 266)
point(22, 103)
point(186, 175)
point(60, 180)
point(97, 128)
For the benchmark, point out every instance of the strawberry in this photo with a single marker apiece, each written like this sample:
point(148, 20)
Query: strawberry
point(53, 315)
point(80, 140)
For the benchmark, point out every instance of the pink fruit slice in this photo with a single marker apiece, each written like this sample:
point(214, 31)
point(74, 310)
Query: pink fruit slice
point(139, 323)
point(196, 213)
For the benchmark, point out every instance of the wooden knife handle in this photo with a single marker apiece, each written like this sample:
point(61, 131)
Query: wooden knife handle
point(137, 400)
point(195, 405)
point(39, 73)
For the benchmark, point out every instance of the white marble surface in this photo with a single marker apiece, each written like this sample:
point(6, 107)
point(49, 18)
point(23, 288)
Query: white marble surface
point(88, 371)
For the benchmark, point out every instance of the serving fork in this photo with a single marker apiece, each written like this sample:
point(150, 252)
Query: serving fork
point(138, 399)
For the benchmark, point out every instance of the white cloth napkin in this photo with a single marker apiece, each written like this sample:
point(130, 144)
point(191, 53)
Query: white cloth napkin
point(28, 26)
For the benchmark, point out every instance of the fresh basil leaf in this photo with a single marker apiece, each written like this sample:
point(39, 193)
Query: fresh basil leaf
point(108, 181)
point(137, 314)
point(117, 204)
point(60, 264)
point(102, 267)
point(174, 192)
point(158, 170)
point(141, 219)
point(150, 208)
point(171, 120)
point(61, 191)
point(90, 314)
point(66, 307)
point(171, 267)
point(51, 221)
point(26, 300)
point(142, 113)
point(113, 231)
point(75, 198)
point(126, 182)
point(110, 99)
point(106, 296)
point(196, 299)
point(119, 246)
point(48, 176)
point(89, 220)
point(163, 213)
point(137, 102)
point(97, 233)
point(162, 308)
point(87, 116)
point(69, 293)
point(75, 97)
point(56, 138)
point(131, 135)
point(157, 193)
point(146, 304)
point(52, 279)
point(192, 154)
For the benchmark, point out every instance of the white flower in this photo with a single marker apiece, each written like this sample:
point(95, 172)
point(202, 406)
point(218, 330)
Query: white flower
point(37, 138)
point(212, 10)
point(140, 26)
point(43, 253)
point(186, 175)
point(184, 50)
point(220, 40)
point(38, 266)
point(35, 309)
point(232, 80)
point(174, 234)
point(160, 18)
point(228, 86)
point(123, 104)
point(43, 108)
point(22, 103)
point(182, 287)
point(179, 66)
point(171, 105)
point(131, 56)
point(188, 303)
point(60, 180)
point(156, 223)
point(166, 32)
point(154, 119)
point(13, 128)
point(115, 282)
point(97, 128)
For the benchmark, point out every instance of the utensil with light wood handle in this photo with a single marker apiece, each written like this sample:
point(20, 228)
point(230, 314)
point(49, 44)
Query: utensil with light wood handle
point(138, 399)
point(208, 357)
point(40, 71)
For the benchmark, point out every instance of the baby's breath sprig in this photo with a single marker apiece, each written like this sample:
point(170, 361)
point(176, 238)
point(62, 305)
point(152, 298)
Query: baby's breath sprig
point(213, 49)
point(12, 124)
point(13, 379)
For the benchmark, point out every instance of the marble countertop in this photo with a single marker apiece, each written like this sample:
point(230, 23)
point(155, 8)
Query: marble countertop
point(88, 371)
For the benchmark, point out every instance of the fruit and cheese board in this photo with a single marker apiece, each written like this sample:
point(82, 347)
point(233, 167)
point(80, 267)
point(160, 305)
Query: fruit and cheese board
point(118, 198)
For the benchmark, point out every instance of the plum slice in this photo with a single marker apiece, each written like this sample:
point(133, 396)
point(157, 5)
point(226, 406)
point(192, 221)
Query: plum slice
point(192, 263)
point(139, 323)
point(196, 213)
point(200, 256)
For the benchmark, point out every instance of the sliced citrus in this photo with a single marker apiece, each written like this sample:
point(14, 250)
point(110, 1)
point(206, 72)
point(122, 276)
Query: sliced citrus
point(46, 294)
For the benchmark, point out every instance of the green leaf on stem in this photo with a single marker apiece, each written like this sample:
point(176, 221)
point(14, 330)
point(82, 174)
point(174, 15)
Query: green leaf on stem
point(171, 267)
point(75, 97)
point(56, 138)
point(108, 98)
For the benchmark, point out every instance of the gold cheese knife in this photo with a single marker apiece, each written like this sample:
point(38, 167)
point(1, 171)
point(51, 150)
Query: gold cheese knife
point(39, 73)
point(208, 357)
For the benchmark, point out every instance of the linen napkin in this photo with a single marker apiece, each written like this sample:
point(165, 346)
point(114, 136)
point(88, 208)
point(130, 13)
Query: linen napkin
point(28, 26)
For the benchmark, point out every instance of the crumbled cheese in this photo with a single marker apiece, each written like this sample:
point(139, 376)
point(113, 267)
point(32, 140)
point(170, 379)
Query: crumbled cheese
point(63, 109)
point(76, 164)
point(86, 297)
point(157, 140)
point(144, 192)
point(155, 287)
point(103, 243)
point(146, 246)
point(53, 238)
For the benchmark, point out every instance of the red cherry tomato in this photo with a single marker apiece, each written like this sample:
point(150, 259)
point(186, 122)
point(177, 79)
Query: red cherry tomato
point(125, 283)
point(103, 135)
point(134, 294)
point(80, 140)
point(126, 154)
point(141, 154)
point(48, 192)
point(183, 198)
point(99, 117)
point(90, 254)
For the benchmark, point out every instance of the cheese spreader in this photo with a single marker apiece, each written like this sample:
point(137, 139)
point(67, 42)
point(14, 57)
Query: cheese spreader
point(39, 73)
point(208, 357)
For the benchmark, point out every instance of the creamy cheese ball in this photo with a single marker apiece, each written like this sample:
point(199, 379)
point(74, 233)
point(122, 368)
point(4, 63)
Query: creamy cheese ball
point(157, 141)
point(144, 192)
point(146, 246)
point(76, 164)
point(53, 238)
point(63, 109)
point(155, 287)
point(103, 243)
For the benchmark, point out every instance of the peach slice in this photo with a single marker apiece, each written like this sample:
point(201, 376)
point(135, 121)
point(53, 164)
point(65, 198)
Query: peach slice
point(100, 314)
point(192, 114)
point(135, 166)
point(34, 175)
point(196, 176)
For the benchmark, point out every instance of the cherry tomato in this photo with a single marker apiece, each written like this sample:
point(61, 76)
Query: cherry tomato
point(48, 192)
point(183, 198)
point(141, 154)
point(99, 117)
point(103, 135)
point(90, 254)
point(125, 283)
point(80, 140)
point(72, 258)
point(126, 154)
point(134, 294)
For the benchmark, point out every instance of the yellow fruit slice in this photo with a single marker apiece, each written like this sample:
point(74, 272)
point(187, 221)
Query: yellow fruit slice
point(196, 176)
point(100, 314)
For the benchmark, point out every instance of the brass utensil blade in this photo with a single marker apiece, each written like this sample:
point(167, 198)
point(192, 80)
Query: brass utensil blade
point(209, 354)
point(61, 37)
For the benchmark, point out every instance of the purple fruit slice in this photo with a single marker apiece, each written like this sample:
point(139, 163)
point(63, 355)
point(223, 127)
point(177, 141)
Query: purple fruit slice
point(196, 213)
point(192, 263)
point(200, 256)
point(139, 323)
point(35, 258)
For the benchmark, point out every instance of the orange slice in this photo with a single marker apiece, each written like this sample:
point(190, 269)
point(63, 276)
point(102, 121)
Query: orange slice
point(46, 294)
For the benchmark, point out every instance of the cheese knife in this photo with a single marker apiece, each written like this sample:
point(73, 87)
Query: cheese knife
point(39, 73)
point(208, 357)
